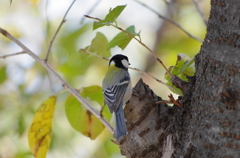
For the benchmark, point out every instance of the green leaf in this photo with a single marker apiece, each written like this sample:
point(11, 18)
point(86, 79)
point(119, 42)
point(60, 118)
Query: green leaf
point(93, 93)
point(184, 67)
point(122, 39)
point(3, 74)
point(114, 13)
point(131, 30)
point(110, 17)
point(168, 78)
point(81, 119)
point(187, 64)
point(98, 46)
point(10, 2)
point(98, 24)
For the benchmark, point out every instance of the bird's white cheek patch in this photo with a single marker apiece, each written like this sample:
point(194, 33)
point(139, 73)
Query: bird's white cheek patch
point(125, 63)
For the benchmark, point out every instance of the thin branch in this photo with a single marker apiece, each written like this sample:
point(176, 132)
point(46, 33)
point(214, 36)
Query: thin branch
point(199, 11)
point(158, 59)
point(94, 54)
point(171, 101)
point(164, 101)
point(59, 27)
point(135, 69)
point(18, 53)
point(64, 83)
point(156, 79)
point(171, 22)
point(90, 11)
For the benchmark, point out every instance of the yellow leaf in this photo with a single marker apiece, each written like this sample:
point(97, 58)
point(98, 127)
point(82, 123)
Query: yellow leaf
point(39, 134)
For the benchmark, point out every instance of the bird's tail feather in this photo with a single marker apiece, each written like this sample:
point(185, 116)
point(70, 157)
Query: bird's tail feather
point(120, 122)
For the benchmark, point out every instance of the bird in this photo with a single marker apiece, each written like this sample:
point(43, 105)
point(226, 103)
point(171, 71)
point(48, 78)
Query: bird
point(117, 90)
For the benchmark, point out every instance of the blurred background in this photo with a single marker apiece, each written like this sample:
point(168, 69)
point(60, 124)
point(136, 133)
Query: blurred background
point(25, 84)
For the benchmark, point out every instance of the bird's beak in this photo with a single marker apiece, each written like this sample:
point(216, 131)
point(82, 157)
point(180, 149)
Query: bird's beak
point(129, 64)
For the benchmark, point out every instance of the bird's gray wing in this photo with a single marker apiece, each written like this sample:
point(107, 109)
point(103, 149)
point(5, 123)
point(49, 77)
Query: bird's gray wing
point(114, 95)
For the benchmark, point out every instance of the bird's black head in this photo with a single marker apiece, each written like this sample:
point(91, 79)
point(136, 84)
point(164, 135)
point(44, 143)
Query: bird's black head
point(120, 61)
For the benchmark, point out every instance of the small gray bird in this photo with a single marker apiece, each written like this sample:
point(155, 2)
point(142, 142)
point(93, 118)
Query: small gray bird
point(117, 89)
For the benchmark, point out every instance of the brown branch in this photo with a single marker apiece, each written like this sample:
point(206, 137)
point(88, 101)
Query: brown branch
point(199, 11)
point(135, 69)
point(18, 53)
point(158, 59)
point(54, 73)
point(94, 54)
point(164, 102)
point(171, 22)
point(90, 11)
point(171, 101)
point(59, 27)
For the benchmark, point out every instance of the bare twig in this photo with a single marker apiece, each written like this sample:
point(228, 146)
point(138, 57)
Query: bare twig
point(171, 22)
point(90, 11)
point(199, 11)
point(85, 51)
point(158, 59)
point(18, 53)
point(171, 101)
point(156, 79)
point(164, 101)
point(94, 54)
point(54, 73)
point(59, 27)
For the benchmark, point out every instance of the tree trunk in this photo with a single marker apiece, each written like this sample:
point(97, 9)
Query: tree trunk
point(209, 123)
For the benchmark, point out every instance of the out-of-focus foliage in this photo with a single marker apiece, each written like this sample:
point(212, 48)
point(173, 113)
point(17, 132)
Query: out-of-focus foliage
point(40, 131)
point(3, 74)
point(25, 84)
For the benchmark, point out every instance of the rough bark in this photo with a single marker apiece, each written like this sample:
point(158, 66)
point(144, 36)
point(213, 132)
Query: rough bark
point(149, 125)
point(215, 124)
point(209, 123)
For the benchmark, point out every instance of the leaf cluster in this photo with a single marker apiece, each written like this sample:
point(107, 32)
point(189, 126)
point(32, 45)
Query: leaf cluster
point(184, 67)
